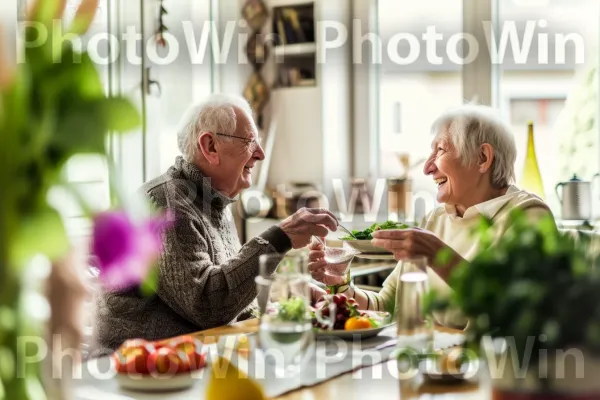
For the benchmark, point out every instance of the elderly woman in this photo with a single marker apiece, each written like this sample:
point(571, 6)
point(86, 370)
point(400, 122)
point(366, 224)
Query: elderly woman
point(206, 278)
point(472, 163)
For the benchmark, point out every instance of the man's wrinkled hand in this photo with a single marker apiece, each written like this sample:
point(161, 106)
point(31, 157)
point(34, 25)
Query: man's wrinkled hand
point(305, 223)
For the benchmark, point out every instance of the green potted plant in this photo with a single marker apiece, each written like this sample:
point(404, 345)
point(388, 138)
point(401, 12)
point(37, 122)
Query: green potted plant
point(533, 301)
point(52, 107)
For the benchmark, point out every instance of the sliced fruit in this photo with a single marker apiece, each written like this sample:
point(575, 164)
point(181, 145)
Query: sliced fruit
point(187, 344)
point(167, 361)
point(132, 356)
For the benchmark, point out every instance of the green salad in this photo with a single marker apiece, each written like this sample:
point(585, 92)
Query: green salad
point(366, 234)
point(292, 310)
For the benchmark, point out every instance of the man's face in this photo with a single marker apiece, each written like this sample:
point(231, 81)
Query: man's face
point(239, 155)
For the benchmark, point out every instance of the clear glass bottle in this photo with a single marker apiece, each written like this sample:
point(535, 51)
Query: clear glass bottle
point(531, 179)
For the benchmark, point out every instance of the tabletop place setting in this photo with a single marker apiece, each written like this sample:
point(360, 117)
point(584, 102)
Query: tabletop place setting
point(287, 345)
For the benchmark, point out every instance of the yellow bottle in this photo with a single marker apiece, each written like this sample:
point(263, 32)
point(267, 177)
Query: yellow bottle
point(531, 180)
point(227, 382)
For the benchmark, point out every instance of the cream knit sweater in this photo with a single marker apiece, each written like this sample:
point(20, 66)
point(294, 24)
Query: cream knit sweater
point(456, 231)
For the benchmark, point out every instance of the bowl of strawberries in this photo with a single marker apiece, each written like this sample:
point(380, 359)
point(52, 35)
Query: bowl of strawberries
point(158, 366)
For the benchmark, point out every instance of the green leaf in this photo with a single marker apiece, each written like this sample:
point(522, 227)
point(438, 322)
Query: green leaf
point(8, 322)
point(592, 333)
point(84, 18)
point(150, 285)
point(292, 310)
point(552, 331)
point(366, 234)
point(374, 323)
point(46, 10)
point(121, 115)
point(42, 233)
point(444, 256)
point(83, 130)
point(7, 363)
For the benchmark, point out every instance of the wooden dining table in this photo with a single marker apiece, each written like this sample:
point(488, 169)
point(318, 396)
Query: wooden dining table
point(348, 387)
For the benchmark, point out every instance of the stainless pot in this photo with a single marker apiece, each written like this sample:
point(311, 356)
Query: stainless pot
point(576, 199)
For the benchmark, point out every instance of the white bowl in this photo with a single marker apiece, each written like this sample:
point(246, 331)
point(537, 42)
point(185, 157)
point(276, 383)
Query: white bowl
point(149, 383)
point(365, 246)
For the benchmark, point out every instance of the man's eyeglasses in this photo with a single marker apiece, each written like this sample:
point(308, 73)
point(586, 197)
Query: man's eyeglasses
point(255, 142)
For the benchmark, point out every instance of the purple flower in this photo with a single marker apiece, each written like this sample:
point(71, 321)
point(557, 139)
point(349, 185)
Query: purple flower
point(124, 250)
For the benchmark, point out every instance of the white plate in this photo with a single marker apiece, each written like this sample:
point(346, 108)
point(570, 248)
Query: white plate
point(350, 335)
point(375, 256)
point(149, 383)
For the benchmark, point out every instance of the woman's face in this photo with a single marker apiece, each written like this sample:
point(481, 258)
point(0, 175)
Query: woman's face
point(455, 181)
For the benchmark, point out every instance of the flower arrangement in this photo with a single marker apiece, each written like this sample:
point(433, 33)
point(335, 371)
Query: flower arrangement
point(49, 111)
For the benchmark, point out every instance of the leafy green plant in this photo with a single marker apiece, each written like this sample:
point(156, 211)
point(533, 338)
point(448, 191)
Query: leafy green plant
point(52, 107)
point(366, 234)
point(535, 280)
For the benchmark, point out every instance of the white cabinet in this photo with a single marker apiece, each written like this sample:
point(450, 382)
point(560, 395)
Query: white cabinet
point(313, 137)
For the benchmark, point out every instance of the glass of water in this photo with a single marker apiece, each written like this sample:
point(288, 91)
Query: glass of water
point(415, 327)
point(338, 260)
point(285, 334)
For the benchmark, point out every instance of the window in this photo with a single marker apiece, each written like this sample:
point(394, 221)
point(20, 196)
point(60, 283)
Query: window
point(411, 96)
point(556, 94)
point(560, 94)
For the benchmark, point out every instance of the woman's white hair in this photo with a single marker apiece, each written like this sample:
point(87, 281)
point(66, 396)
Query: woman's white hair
point(468, 127)
point(216, 114)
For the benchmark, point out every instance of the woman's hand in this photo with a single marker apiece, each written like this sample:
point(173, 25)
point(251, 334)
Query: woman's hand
point(316, 294)
point(318, 267)
point(414, 242)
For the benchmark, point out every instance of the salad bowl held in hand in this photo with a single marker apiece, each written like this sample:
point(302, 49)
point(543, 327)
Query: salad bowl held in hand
point(361, 241)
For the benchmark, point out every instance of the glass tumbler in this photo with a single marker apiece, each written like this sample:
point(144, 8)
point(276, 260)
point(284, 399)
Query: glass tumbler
point(285, 335)
point(414, 326)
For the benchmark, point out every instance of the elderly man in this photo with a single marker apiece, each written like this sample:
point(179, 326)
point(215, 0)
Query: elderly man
point(206, 278)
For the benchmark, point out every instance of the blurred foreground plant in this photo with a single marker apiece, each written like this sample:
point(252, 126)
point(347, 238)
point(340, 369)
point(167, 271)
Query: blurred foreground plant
point(536, 284)
point(52, 107)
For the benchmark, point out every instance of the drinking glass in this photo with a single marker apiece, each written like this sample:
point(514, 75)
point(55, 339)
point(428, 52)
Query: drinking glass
point(414, 326)
point(285, 334)
point(339, 260)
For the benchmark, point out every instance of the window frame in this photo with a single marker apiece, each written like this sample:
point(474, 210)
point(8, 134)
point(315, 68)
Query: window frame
point(478, 80)
point(481, 81)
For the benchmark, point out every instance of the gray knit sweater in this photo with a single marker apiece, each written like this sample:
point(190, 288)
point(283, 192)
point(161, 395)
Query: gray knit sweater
point(206, 279)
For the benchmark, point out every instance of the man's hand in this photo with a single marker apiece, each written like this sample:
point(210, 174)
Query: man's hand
point(318, 267)
point(305, 223)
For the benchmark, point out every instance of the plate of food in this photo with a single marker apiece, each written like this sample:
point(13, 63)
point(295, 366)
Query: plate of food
point(361, 240)
point(158, 366)
point(348, 321)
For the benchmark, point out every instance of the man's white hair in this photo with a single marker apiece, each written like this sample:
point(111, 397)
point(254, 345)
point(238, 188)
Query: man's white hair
point(468, 127)
point(216, 114)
